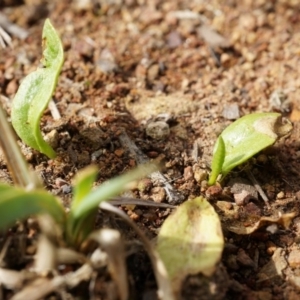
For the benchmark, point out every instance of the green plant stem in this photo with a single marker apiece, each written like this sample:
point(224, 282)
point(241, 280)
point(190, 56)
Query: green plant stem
point(16, 163)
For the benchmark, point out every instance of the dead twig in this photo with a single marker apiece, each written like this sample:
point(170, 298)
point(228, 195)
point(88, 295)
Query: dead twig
point(173, 196)
point(258, 188)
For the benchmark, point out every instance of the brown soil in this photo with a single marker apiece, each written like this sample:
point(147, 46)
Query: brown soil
point(195, 66)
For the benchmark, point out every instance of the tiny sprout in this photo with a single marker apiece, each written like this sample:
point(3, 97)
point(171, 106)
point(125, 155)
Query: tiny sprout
point(243, 139)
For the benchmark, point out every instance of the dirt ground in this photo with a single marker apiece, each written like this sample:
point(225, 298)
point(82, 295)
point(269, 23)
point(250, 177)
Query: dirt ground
point(169, 76)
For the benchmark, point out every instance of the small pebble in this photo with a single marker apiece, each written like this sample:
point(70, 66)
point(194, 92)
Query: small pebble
point(153, 72)
point(199, 174)
point(213, 192)
point(96, 155)
point(252, 209)
point(271, 247)
point(244, 259)
point(144, 185)
point(242, 198)
point(30, 250)
point(188, 173)
point(174, 39)
point(83, 158)
point(231, 262)
point(262, 159)
point(279, 101)
point(280, 195)
point(119, 152)
point(158, 130)
point(158, 194)
point(52, 138)
point(66, 189)
point(231, 111)
point(294, 258)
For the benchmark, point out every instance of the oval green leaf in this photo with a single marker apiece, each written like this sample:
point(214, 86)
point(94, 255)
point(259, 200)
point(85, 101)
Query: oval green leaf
point(244, 138)
point(35, 93)
point(190, 241)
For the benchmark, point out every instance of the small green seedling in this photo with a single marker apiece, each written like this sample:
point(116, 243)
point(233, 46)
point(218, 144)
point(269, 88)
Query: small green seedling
point(243, 139)
point(18, 203)
point(35, 93)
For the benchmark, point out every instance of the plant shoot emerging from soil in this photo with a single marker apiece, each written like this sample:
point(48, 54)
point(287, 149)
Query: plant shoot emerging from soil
point(243, 139)
point(35, 93)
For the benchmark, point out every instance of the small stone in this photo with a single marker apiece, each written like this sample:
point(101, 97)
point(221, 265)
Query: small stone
point(134, 216)
point(66, 189)
point(231, 262)
point(83, 158)
point(271, 247)
point(94, 136)
point(239, 185)
point(11, 87)
point(264, 295)
point(174, 39)
point(279, 101)
point(274, 268)
point(106, 63)
point(52, 138)
point(188, 173)
point(280, 195)
point(96, 154)
point(252, 209)
point(180, 132)
point(199, 174)
point(31, 250)
point(158, 130)
point(213, 192)
point(153, 72)
point(59, 182)
point(119, 152)
point(262, 159)
point(242, 198)
point(158, 194)
point(294, 258)
point(247, 21)
point(144, 185)
point(244, 259)
point(231, 112)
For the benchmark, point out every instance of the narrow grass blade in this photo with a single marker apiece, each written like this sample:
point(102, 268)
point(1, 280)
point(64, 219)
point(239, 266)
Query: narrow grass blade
point(17, 204)
point(16, 162)
point(82, 213)
point(83, 183)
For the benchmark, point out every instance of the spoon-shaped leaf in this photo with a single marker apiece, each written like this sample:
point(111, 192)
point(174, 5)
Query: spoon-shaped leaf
point(35, 92)
point(244, 138)
point(190, 241)
point(17, 204)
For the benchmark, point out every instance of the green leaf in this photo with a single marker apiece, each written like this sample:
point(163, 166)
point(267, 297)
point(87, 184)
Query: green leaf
point(244, 138)
point(190, 241)
point(35, 93)
point(83, 183)
point(218, 160)
point(17, 204)
point(82, 213)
